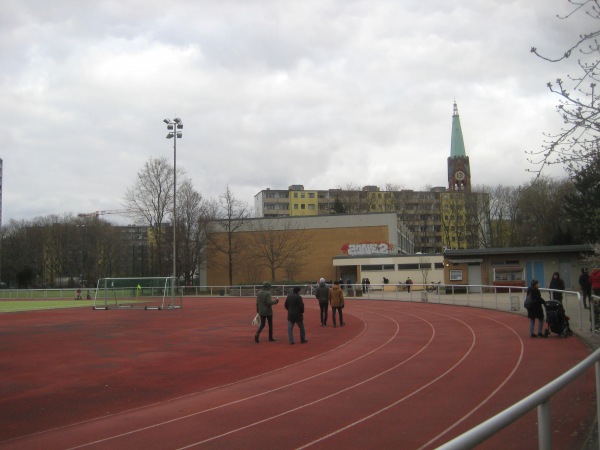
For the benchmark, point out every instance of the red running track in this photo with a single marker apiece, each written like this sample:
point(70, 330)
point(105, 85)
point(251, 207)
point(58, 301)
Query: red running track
point(399, 375)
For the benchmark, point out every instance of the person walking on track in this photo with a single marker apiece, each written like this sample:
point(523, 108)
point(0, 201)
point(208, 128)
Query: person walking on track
point(295, 309)
point(264, 303)
point(322, 295)
point(336, 300)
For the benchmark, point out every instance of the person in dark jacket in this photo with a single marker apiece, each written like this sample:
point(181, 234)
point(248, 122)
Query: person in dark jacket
point(536, 311)
point(295, 309)
point(322, 294)
point(586, 287)
point(264, 303)
point(557, 285)
point(408, 283)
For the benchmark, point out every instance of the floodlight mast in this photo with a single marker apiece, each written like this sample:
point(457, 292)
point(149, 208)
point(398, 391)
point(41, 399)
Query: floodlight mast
point(175, 125)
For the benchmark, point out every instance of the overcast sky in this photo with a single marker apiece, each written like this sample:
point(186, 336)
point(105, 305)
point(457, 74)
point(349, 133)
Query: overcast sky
point(323, 93)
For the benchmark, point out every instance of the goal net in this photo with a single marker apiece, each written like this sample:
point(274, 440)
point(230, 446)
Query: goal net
point(138, 293)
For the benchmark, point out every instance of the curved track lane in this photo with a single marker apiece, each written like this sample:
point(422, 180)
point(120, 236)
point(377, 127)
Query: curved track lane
point(399, 375)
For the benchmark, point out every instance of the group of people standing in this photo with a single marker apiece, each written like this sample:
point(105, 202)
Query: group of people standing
point(589, 284)
point(365, 284)
point(294, 305)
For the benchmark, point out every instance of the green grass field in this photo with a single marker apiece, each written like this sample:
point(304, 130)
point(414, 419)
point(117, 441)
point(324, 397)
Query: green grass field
point(34, 305)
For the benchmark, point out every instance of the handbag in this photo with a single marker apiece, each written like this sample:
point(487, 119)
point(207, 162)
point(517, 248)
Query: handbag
point(256, 321)
point(528, 301)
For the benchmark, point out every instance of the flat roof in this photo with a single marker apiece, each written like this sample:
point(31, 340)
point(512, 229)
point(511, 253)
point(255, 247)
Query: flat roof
point(580, 248)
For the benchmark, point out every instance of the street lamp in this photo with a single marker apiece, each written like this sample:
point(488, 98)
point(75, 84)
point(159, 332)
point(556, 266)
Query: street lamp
point(174, 126)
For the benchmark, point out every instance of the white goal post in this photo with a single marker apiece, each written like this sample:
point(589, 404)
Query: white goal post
point(138, 293)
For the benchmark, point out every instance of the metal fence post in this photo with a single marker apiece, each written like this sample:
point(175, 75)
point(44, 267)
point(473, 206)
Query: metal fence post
point(597, 366)
point(544, 426)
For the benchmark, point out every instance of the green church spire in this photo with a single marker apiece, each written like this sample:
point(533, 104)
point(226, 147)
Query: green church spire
point(457, 146)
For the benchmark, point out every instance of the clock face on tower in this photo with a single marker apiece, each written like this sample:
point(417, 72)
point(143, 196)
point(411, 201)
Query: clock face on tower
point(459, 175)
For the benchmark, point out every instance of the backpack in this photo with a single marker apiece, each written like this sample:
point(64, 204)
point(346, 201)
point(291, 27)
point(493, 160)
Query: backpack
point(528, 302)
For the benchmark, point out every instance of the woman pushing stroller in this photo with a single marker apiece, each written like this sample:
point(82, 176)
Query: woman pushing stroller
point(535, 309)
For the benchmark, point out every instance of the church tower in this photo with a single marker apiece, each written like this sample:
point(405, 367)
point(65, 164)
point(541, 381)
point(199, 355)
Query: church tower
point(459, 172)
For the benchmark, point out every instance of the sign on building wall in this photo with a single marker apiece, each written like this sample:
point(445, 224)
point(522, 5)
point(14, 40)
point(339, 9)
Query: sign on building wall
point(368, 248)
point(456, 275)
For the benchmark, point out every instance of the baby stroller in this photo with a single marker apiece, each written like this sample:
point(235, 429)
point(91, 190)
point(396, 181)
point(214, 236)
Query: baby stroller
point(558, 321)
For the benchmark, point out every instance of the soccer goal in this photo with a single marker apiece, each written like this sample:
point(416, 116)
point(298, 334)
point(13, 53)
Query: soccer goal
point(138, 293)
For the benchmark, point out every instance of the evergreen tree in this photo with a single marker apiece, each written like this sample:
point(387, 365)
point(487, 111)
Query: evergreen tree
point(338, 207)
point(583, 204)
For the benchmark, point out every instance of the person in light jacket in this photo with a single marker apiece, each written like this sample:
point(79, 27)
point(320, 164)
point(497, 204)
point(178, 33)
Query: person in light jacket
point(336, 300)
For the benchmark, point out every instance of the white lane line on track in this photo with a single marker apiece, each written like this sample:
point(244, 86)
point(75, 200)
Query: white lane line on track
point(230, 432)
point(494, 392)
point(406, 397)
point(193, 394)
point(306, 405)
point(331, 395)
point(187, 416)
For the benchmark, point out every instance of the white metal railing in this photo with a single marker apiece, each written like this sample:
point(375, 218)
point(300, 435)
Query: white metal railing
point(504, 298)
point(540, 399)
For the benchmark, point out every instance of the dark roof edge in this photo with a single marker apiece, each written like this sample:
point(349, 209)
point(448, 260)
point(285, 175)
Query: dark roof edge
point(584, 248)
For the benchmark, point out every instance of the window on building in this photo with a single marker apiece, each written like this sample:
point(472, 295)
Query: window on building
point(372, 267)
point(509, 273)
point(303, 206)
point(456, 275)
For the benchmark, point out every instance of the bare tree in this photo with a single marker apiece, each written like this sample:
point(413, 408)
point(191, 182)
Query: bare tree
point(392, 187)
point(191, 230)
point(353, 200)
point(228, 215)
point(425, 266)
point(576, 144)
point(150, 201)
point(498, 214)
point(278, 244)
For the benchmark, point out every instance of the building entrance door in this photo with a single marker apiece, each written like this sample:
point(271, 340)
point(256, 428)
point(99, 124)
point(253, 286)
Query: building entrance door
point(535, 270)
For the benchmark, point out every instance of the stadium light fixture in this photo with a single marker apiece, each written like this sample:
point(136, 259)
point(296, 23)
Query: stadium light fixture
point(174, 125)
